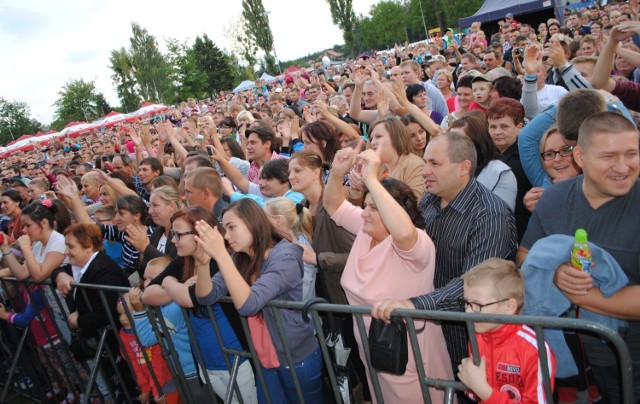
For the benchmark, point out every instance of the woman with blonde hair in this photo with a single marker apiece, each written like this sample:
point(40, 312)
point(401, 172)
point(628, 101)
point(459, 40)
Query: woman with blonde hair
point(390, 138)
point(295, 223)
point(444, 78)
point(163, 203)
point(108, 195)
point(245, 117)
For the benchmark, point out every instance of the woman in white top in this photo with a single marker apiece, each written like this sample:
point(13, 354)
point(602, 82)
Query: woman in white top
point(43, 250)
point(47, 251)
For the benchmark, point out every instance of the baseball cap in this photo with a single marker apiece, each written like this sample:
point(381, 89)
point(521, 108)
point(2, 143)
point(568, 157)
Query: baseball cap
point(481, 77)
point(497, 73)
point(278, 90)
point(509, 15)
point(20, 181)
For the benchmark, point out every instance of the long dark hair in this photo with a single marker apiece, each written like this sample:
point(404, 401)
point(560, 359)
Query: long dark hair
point(38, 212)
point(14, 196)
point(319, 131)
point(135, 205)
point(234, 147)
point(265, 236)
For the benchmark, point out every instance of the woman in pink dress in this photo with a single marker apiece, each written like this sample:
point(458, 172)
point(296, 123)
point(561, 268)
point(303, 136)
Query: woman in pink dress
point(390, 258)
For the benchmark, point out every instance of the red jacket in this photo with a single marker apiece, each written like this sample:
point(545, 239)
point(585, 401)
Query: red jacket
point(511, 356)
point(136, 358)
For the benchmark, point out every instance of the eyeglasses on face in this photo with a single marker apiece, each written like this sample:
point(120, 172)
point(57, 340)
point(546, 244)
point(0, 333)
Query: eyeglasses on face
point(477, 307)
point(178, 236)
point(549, 155)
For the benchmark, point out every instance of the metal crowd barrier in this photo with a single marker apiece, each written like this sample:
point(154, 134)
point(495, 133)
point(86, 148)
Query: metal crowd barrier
point(14, 348)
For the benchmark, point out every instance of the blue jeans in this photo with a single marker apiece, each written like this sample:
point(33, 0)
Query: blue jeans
point(280, 386)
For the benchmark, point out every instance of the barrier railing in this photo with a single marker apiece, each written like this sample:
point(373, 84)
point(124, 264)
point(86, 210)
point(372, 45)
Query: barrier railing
point(106, 360)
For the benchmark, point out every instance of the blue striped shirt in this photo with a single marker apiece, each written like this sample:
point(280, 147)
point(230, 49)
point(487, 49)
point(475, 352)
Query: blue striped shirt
point(130, 254)
point(475, 226)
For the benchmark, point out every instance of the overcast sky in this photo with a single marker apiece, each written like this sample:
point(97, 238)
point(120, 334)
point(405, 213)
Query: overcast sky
point(47, 43)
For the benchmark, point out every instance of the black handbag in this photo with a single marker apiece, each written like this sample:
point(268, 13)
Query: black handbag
point(83, 347)
point(388, 345)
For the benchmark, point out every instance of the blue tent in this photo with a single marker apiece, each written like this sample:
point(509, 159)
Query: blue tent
point(267, 77)
point(494, 10)
point(245, 85)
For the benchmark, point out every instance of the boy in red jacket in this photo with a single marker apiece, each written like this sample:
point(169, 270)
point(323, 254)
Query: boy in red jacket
point(509, 369)
point(136, 357)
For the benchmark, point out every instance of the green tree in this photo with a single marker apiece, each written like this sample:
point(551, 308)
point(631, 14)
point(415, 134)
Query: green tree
point(214, 65)
point(78, 100)
point(16, 120)
point(124, 79)
point(453, 10)
point(242, 44)
point(150, 69)
point(256, 26)
point(343, 16)
point(188, 80)
point(383, 28)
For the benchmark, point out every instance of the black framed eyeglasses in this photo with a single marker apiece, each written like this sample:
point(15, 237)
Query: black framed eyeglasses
point(549, 155)
point(177, 235)
point(477, 307)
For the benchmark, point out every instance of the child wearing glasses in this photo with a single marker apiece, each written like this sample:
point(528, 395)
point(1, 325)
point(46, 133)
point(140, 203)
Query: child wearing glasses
point(509, 367)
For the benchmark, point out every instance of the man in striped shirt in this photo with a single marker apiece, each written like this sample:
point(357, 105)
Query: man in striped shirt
point(467, 223)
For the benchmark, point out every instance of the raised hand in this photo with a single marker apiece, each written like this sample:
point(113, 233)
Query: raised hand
point(210, 240)
point(532, 59)
point(370, 164)
point(343, 161)
point(399, 93)
point(66, 187)
point(227, 187)
point(137, 237)
point(135, 137)
point(135, 299)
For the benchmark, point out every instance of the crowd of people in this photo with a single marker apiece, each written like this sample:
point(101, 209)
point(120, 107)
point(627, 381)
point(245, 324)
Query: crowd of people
point(426, 178)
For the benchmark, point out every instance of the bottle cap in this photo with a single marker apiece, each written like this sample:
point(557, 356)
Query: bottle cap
point(581, 236)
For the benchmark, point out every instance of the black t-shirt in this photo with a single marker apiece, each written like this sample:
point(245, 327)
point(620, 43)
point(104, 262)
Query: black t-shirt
point(176, 269)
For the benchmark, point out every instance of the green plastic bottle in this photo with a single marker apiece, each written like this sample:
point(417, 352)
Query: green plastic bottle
point(581, 253)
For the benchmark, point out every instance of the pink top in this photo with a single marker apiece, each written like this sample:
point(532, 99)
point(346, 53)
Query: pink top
point(386, 272)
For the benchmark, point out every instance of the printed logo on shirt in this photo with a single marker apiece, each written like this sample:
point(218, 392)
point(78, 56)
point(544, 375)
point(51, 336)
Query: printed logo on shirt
point(513, 392)
point(505, 367)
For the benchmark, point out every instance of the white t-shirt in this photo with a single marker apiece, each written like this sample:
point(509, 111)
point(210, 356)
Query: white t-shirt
point(549, 95)
point(55, 244)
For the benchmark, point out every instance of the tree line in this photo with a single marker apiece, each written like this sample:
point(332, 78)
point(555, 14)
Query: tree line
point(200, 69)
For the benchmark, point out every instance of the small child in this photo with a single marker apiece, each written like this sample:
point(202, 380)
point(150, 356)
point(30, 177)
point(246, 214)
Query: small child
point(296, 224)
point(481, 87)
point(508, 371)
point(51, 351)
point(176, 325)
point(105, 215)
point(133, 353)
